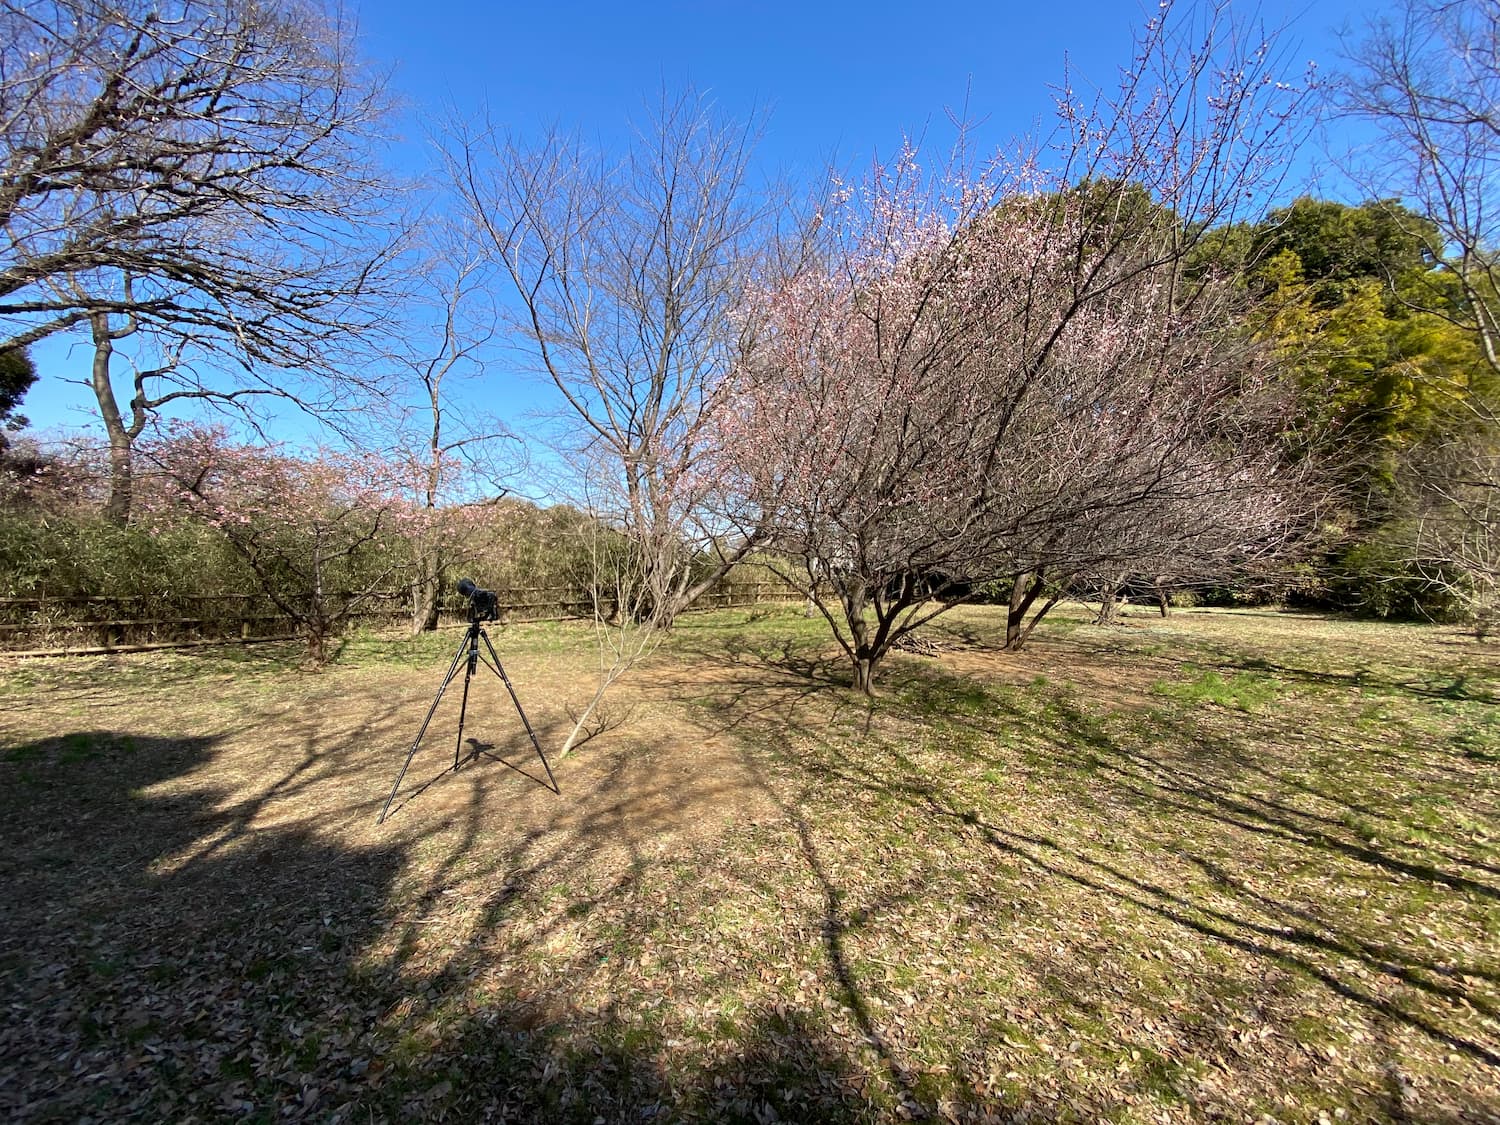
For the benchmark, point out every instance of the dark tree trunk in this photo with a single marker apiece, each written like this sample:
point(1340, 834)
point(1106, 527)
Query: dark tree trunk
point(1023, 595)
point(121, 440)
point(317, 644)
point(1163, 602)
point(426, 589)
point(864, 654)
point(1036, 619)
point(1023, 592)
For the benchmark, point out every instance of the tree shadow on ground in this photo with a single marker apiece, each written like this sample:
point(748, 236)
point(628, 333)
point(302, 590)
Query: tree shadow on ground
point(193, 946)
point(1222, 792)
point(183, 949)
point(170, 963)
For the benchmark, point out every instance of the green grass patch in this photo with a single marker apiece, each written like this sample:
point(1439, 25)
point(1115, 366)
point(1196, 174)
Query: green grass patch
point(1243, 691)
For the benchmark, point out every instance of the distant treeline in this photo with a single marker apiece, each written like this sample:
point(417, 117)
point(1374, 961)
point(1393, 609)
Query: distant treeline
point(1355, 305)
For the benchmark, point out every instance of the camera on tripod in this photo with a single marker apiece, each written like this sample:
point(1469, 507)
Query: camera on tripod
point(484, 605)
point(474, 650)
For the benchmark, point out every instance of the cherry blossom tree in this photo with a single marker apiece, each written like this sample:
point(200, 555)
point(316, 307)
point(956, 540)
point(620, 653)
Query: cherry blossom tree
point(321, 533)
point(1008, 371)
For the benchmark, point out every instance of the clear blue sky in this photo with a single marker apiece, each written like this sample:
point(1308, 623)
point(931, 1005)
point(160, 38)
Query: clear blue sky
point(840, 81)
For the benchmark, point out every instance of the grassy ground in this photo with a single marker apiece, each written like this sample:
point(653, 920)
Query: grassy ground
point(1222, 866)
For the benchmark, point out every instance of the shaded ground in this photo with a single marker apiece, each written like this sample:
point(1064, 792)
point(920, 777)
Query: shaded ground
point(1218, 866)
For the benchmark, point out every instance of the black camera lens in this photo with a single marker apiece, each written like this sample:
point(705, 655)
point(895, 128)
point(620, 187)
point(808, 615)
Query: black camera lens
point(484, 605)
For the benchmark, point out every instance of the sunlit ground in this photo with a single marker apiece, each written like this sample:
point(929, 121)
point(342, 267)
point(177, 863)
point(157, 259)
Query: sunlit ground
point(1217, 866)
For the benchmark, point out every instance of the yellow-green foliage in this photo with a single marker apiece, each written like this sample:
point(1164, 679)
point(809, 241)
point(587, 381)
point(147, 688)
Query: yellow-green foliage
point(1357, 305)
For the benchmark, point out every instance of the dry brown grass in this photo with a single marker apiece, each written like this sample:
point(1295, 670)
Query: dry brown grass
point(1221, 865)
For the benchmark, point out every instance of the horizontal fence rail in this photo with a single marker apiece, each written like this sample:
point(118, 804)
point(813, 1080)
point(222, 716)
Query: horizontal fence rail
point(91, 624)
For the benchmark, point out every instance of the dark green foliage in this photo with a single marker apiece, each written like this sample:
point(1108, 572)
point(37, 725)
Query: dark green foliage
point(1361, 313)
point(1377, 578)
point(87, 556)
point(17, 374)
point(184, 575)
point(1337, 243)
point(181, 580)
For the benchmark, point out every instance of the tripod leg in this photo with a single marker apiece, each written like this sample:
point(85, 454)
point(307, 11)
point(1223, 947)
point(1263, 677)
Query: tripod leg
point(438, 698)
point(504, 679)
point(462, 709)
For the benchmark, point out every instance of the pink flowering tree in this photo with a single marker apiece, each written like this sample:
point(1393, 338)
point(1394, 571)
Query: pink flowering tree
point(323, 534)
point(1008, 371)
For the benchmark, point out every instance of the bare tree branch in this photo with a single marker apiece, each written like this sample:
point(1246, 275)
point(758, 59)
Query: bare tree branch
point(627, 273)
point(199, 170)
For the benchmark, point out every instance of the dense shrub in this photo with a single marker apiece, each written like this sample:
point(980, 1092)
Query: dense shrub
point(86, 556)
point(1378, 579)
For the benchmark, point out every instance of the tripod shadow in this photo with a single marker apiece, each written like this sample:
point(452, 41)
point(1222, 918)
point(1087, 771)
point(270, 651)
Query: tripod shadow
point(474, 750)
point(479, 749)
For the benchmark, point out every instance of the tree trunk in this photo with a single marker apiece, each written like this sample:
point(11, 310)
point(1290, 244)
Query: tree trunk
point(1023, 592)
point(425, 590)
point(1163, 602)
point(319, 622)
point(1023, 595)
point(1030, 626)
point(862, 649)
point(121, 465)
point(1109, 603)
point(317, 643)
point(579, 725)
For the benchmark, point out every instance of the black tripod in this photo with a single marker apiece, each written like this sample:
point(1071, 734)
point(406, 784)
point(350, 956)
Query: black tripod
point(469, 655)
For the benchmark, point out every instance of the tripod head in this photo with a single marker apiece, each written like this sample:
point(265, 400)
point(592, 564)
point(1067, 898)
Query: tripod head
point(484, 605)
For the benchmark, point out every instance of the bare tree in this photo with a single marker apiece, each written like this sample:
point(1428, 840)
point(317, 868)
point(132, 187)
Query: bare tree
point(195, 176)
point(627, 273)
point(622, 584)
point(1451, 533)
point(445, 436)
point(1428, 80)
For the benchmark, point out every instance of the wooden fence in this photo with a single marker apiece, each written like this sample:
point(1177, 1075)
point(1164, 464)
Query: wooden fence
point(45, 626)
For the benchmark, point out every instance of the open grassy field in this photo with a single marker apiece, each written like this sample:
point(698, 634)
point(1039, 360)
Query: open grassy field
point(1223, 866)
